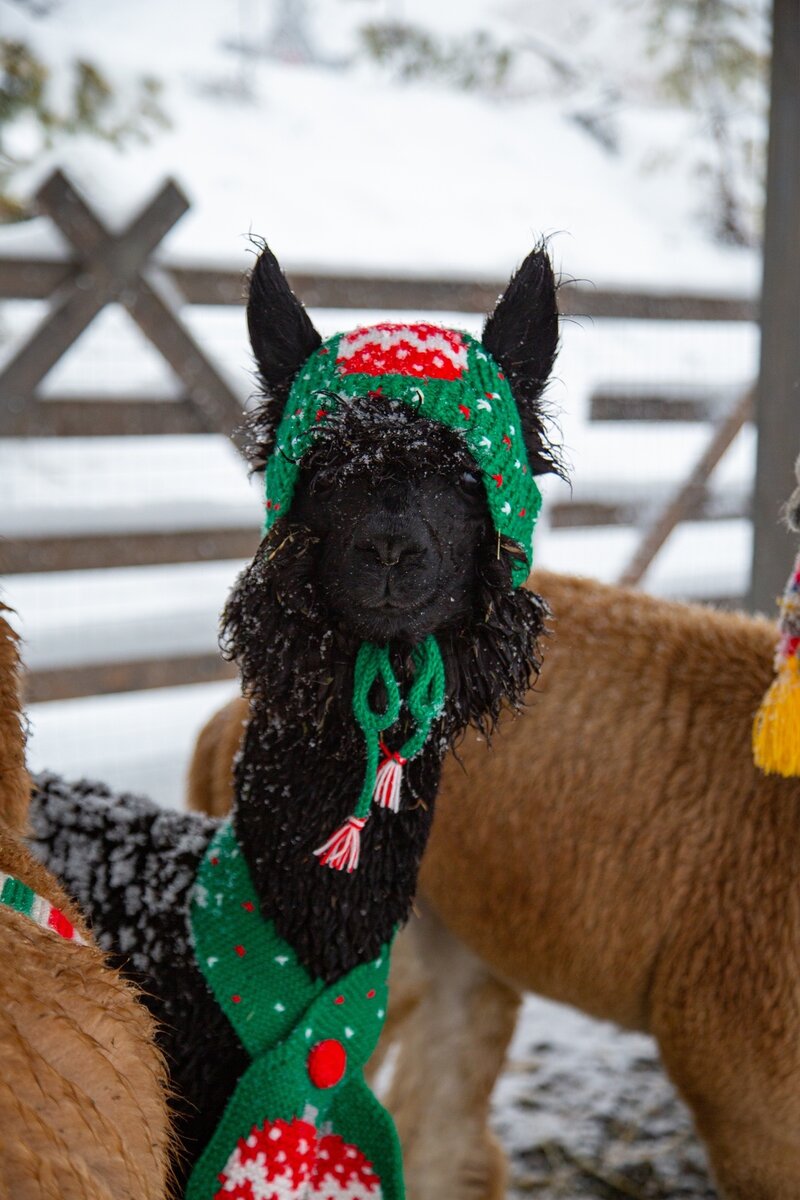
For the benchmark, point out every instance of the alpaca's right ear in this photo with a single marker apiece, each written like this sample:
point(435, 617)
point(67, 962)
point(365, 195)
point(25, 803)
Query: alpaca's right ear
point(281, 332)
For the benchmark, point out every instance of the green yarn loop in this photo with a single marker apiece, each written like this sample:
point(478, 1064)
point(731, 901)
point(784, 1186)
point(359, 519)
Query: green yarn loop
point(373, 663)
point(426, 697)
point(425, 702)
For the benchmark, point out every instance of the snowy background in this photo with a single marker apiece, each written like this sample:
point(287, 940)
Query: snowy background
point(344, 164)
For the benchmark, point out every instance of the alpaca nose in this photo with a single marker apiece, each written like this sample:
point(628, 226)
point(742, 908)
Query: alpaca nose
point(391, 549)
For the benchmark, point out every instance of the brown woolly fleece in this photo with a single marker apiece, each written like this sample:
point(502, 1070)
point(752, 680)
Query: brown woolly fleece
point(14, 782)
point(83, 1114)
point(615, 849)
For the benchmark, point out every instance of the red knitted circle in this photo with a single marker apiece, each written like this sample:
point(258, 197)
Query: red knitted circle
point(326, 1063)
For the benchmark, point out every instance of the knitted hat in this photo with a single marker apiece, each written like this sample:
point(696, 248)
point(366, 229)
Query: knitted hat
point(447, 376)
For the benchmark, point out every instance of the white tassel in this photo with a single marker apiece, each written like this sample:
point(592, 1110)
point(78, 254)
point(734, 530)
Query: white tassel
point(343, 849)
point(389, 780)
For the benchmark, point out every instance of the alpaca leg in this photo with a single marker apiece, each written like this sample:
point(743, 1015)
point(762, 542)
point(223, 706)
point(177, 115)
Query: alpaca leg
point(752, 1160)
point(451, 1053)
point(729, 1032)
point(748, 1115)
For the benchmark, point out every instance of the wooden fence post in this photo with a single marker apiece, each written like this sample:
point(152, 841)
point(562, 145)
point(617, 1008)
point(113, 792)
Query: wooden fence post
point(778, 398)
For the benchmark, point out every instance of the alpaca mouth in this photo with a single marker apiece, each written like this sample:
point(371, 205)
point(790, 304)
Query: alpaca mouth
point(386, 620)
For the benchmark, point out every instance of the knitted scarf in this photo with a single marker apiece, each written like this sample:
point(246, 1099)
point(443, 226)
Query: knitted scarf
point(302, 1122)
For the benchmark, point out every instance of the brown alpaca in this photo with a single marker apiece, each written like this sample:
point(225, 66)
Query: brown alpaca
point(82, 1108)
point(617, 850)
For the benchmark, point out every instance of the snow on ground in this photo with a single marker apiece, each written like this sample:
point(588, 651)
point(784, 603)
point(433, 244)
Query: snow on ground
point(584, 1110)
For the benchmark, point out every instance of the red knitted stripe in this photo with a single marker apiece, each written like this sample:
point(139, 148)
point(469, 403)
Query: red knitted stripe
point(58, 922)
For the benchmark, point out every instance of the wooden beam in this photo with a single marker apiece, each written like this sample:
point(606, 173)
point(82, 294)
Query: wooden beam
point(778, 396)
point(686, 500)
point(92, 551)
point(33, 278)
point(589, 514)
point(320, 289)
point(68, 683)
point(574, 301)
point(103, 417)
point(155, 312)
point(109, 264)
point(152, 301)
point(644, 403)
point(36, 279)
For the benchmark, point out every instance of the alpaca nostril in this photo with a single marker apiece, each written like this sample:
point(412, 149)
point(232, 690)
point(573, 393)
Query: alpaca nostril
point(391, 551)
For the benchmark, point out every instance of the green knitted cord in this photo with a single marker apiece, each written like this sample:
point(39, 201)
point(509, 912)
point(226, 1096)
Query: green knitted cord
point(425, 702)
point(447, 376)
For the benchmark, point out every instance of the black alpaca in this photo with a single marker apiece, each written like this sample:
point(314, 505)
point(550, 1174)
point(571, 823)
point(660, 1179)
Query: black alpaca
point(388, 538)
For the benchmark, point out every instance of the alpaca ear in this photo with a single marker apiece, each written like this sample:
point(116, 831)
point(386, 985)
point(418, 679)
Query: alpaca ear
point(282, 337)
point(521, 334)
point(281, 332)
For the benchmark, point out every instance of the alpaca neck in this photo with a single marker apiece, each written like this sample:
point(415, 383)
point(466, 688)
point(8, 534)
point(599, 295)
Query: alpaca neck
point(294, 788)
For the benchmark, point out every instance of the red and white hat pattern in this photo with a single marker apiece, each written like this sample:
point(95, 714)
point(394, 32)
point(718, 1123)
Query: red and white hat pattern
point(288, 1160)
point(422, 351)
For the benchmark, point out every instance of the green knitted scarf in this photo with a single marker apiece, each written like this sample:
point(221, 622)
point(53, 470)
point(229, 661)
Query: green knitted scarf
point(447, 376)
point(301, 1120)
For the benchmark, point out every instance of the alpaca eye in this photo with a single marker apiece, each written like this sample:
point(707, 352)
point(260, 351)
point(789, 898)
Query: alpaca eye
point(470, 482)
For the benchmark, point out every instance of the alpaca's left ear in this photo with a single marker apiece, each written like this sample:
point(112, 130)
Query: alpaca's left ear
point(522, 337)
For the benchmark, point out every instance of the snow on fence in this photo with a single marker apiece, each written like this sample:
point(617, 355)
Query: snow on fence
point(162, 563)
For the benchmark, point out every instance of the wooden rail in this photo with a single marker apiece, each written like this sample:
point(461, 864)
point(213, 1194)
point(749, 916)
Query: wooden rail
point(38, 279)
point(103, 417)
point(87, 552)
point(70, 683)
point(643, 402)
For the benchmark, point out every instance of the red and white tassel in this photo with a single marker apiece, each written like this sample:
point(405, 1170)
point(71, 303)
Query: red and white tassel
point(389, 779)
point(343, 849)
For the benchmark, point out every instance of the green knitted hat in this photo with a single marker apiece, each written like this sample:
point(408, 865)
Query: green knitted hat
point(444, 373)
point(447, 376)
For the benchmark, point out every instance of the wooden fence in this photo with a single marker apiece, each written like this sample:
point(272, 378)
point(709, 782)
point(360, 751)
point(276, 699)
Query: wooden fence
point(125, 268)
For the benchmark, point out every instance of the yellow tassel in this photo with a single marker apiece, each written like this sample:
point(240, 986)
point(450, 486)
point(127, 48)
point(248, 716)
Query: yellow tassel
point(776, 730)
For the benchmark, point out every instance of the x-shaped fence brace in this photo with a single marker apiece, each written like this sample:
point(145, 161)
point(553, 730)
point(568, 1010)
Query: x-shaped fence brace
point(112, 268)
